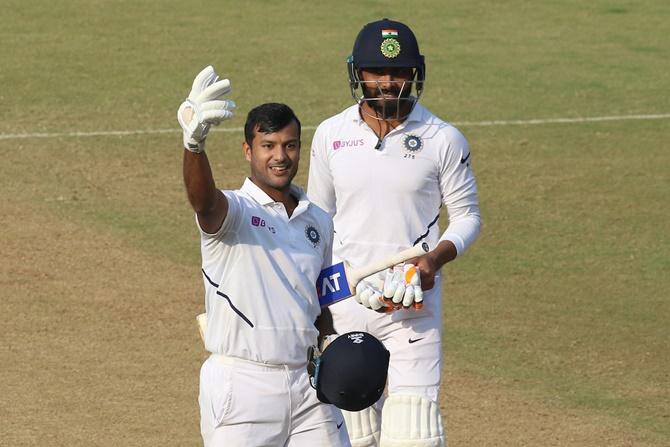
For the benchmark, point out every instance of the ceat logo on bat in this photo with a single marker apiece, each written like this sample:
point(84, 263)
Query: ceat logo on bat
point(332, 285)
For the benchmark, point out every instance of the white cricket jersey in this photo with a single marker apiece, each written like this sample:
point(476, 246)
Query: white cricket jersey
point(387, 198)
point(260, 271)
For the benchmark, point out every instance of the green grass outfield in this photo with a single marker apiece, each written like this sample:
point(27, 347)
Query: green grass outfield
point(565, 297)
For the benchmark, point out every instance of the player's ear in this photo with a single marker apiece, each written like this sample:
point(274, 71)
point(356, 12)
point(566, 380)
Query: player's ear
point(247, 151)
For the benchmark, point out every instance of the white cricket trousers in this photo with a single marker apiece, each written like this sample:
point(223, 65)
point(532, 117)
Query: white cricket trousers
point(250, 404)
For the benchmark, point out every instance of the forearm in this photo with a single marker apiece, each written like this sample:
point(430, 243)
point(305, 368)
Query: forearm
point(463, 230)
point(199, 182)
point(444, 252)
point(207, 201)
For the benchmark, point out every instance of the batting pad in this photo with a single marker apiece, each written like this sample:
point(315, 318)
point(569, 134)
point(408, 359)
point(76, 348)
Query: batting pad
point(363, 427)
point(410, 420)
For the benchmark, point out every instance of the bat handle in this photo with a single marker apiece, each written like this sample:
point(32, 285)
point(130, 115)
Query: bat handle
point(404, 255)
point(390, 261)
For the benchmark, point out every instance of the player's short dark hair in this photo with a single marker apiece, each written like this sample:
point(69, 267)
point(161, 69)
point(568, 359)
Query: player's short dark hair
point(268, 118)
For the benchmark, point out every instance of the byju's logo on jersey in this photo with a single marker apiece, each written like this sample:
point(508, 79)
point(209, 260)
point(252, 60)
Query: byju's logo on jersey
point(342, 144)
point(413, 143)
point(312, 235)
point(258, 222)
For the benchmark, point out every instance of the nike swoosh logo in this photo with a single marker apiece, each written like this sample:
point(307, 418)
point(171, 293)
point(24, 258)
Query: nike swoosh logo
point(340, 425)
point(463, 160)
point(415, 340)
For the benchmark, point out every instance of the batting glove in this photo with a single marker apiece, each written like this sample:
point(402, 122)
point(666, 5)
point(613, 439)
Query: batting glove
point(402, 286)
point(204, 108)
point(369, 294)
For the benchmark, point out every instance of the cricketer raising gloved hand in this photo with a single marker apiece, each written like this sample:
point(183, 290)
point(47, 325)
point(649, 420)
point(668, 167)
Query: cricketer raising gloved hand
point(204, 108)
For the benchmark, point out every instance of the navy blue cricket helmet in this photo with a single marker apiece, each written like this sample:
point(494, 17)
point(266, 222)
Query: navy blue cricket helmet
point(386, 43)
point(351, 372)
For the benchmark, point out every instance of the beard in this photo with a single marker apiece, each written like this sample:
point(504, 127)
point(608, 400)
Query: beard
point(390, 103)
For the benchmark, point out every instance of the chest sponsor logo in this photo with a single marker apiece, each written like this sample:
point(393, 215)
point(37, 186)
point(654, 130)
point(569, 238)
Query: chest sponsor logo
point(343, 144)
point(260, 223)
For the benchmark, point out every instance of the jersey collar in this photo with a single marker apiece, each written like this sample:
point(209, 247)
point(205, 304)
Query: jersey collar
point(263, 199)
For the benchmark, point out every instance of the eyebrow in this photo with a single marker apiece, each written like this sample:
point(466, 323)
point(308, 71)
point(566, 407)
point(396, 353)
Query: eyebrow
point(294, 140)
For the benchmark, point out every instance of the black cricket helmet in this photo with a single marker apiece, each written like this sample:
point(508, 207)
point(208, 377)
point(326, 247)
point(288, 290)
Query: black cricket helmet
point(351, 372)
point(386, 43)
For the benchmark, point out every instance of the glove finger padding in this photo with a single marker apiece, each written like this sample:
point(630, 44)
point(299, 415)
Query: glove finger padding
point(413, 278)
point(392, 281)
point(370, 296)
point(218, 104)
point(213, 112)
point(214, 91)
point(214, 117)
point(204, 79)
point(408, 296)
point(361, 295)
point(402, 286)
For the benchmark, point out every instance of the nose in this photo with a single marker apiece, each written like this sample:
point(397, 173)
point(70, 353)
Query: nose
point(385, 80)
point(279, 154)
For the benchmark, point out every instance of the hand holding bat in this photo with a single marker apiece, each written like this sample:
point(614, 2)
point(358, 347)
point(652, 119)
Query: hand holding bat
point(339, 281)
point(397, 288)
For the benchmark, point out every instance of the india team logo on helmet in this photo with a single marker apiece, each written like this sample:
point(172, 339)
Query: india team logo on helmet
point(413, 143)
point(390, 48)
point(312, 235)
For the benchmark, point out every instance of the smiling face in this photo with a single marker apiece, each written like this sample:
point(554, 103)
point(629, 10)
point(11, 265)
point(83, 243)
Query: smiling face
point(273, 158)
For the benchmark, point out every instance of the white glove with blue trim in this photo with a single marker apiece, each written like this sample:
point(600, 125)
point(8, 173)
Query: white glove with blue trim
point(204, 108)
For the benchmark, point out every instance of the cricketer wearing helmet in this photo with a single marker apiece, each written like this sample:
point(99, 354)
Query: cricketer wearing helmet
point(384, 168)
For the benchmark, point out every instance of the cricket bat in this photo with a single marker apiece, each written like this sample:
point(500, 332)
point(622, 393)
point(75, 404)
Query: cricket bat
point(339, 281)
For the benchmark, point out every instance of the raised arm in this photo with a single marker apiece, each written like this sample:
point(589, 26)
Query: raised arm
point(202, 109)
point(208, 202)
